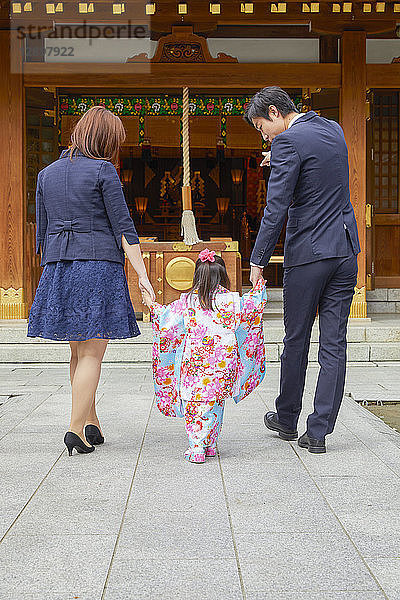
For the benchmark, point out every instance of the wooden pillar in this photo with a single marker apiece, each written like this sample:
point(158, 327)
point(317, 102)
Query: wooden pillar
point(353, 120)
point(12, 206)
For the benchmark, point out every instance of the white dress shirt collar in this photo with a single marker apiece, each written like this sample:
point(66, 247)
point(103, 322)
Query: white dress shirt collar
point(295, 118)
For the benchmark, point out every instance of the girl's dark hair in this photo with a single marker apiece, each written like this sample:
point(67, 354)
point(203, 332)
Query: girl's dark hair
point(206, 279)
point(262, 100)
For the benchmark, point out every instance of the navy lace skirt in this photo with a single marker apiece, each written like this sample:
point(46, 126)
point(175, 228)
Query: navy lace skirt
point(78, 300)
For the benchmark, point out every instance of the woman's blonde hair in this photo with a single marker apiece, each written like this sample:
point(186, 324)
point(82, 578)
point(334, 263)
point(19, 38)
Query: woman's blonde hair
point(98, 134)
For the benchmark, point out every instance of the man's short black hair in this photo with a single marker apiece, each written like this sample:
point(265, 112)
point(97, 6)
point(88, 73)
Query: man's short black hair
point(269, 96)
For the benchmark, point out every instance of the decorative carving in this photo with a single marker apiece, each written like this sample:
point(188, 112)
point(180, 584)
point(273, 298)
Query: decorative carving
point(181, 247)
point(359, 294)
point(198, 190)
point(167, 197)
point(231, 246)
point(12, 304)
point(11, 296)
point(182, 52)
point(148, 175)
point(261, 196)
point(214, 175)
point(358, 308)
point(182, 46)
point(142, 57)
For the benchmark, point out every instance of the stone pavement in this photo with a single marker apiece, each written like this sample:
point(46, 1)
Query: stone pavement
point(265, 520)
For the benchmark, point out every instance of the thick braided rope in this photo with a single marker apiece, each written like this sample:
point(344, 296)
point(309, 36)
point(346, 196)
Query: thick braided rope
point(185, 137)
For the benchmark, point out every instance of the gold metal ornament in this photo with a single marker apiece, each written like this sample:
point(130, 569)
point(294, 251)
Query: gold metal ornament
point(358, 308)
point(181, 247)
point(179, 273)
point(12, 304)
point(231, 246)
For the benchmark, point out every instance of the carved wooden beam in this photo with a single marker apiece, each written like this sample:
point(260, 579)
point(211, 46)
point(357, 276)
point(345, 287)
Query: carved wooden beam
point(182, 46)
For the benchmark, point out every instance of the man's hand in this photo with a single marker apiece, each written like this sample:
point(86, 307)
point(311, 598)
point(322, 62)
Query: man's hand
point(256, 273)
point(266, 161)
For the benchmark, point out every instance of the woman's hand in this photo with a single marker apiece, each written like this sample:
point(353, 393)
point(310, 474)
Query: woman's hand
point(134, 254)
point(147, 290)
point(146, 298)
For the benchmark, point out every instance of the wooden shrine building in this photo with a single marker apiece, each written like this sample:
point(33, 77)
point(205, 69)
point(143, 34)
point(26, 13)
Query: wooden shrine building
point(341, 59)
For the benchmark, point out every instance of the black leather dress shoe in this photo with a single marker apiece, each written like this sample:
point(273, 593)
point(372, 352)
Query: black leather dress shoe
point(271, 422)
point(314, 446)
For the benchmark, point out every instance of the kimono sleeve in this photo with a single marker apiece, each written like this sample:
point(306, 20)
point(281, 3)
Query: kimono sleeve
point(250, 338)
point(171, 315)
point(169, 333)
point(252, 306)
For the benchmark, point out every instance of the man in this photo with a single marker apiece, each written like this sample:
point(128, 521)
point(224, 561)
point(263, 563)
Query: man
point(309, 183)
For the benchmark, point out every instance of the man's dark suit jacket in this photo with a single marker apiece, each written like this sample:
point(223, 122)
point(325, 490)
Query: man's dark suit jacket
point(81, 211)
point(309, 181)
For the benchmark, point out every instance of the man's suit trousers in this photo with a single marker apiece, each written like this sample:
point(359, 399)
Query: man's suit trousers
point(327, 286)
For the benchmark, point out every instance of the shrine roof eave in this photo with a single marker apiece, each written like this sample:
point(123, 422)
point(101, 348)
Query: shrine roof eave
point(323, 16)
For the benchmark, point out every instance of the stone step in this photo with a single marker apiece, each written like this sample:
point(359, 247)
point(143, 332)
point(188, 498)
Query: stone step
point(375, 341)
point(275, 308)
point(383, 300)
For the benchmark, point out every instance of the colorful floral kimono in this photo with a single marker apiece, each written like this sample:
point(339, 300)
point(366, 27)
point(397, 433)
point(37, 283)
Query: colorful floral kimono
point(203, 357)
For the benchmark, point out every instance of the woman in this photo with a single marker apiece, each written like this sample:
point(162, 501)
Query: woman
point(83, 228)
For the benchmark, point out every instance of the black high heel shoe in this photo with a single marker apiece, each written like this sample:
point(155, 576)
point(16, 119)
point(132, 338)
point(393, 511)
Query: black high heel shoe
point(71, 440)
point(93, 435)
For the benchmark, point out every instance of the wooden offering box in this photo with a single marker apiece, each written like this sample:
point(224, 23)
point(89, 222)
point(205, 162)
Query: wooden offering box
point(170, 266)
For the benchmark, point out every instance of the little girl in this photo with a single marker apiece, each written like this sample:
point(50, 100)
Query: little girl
point(208, 347)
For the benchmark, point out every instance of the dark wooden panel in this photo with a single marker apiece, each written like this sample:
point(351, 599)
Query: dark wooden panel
point(329, 49)
point(204, 132)
point(240, 135)
point(387, 282)
point(382, 219)
point(387, 253)
point(163, 131)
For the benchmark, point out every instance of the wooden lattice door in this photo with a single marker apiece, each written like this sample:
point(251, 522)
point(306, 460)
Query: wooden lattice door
point(383, 188)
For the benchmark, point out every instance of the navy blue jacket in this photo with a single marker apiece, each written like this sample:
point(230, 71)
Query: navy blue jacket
point(81, 211)
point(309, 182)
